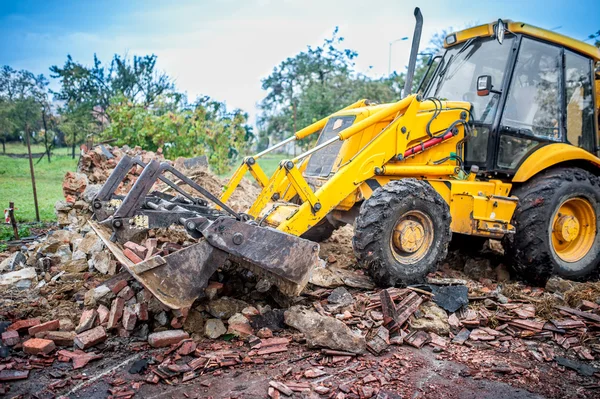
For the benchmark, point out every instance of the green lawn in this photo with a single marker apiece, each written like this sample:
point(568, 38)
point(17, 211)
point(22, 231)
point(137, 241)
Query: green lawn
point(15, 181)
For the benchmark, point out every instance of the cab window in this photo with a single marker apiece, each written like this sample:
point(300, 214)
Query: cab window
point(533, 102)
point(579, 101)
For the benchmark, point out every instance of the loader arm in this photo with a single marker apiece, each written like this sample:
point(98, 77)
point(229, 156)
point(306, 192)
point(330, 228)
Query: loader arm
point(388, 148)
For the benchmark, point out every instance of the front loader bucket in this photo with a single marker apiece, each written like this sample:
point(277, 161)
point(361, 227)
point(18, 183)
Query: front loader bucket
point(177, 279)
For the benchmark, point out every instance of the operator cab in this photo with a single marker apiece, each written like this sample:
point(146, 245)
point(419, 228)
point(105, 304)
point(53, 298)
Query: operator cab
point(528, 87)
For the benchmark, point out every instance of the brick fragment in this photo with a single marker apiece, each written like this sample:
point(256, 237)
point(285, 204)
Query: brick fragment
point(11, 375)
point(141, 311)
point(186, 348)
point(126, 293)
point(103, 313)
point(132, 256)
point(137, 249)
point(116, 311)
point(38, 346)
point(87, 320)
point(10, 338)
point(89, 338)
point(22, 325)
point(51, 325)
point(116, 285)
point(151, 244)
point(61, 338)
point(166, 338)
point(129, 318)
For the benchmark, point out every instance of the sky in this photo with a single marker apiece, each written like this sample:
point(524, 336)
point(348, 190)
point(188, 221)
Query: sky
point(223, 48)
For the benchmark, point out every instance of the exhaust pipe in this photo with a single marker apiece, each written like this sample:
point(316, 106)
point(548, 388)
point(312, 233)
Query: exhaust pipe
point(414, 52)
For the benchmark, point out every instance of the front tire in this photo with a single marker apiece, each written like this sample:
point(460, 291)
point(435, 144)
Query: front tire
point(402, 232)
point(556, 225)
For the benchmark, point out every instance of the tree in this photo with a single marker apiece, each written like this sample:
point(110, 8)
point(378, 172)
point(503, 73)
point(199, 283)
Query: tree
point(313, 84)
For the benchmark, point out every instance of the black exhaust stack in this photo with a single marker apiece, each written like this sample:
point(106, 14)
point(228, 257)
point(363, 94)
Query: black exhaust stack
point(414, 52)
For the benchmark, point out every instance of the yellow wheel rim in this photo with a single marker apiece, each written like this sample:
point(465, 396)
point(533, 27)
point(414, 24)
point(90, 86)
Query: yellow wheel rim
point(573, 229)
point(412, 237)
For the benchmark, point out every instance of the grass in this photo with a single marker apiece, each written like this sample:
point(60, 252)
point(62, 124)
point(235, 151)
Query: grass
point(15, 181)
point(268, 163)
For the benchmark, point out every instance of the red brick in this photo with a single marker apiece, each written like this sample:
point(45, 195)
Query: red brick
point(86, 321)
point(10, 338)
point(151, 244)
point(23, 324)
point(123, 333)
point(51, 325)
point(186, 348)
point(116, 311)
point(38, 346)
point(126, 293)
point(166, 338)
point(117, 285)
point(141, 311)
point(129, 318)
point(89, 338)
point(132, 256)
point(103, 314)
point(61, 338)
point(137, 249)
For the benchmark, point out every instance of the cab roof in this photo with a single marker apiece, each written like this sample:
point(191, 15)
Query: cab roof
point(528, 30)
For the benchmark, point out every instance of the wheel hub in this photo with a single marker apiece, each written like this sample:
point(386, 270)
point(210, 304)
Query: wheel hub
point(573, 229)
point(409, 236)
point(566, 228)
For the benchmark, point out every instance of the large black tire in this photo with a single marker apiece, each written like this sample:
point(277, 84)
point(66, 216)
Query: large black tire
point(319, 232)
point(395, 203)
point(530, 250)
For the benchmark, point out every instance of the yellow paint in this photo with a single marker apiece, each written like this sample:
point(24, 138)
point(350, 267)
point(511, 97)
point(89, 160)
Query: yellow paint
point(550, 155)
point(574, 229)
point(529, 30)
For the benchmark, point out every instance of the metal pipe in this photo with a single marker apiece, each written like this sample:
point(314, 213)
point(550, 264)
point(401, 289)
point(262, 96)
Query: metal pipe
point(315, 149)
point(414, 51)
point(274, 147)
point(417, 170)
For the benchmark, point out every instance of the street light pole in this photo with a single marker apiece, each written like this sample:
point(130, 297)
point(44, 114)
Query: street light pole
point(390, 53)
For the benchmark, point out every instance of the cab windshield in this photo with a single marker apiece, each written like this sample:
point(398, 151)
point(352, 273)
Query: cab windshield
point(456, 77)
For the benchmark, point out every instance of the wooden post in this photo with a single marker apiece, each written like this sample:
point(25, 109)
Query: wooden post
point(13, 221)
point(35, 201)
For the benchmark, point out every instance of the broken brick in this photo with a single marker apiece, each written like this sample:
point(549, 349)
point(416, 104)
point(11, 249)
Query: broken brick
point(61, 338)
point(141, 311)
point(132, 256)
point(89, 338)
point(116, 311)
point(11, 375)
point(51, 325)
point(10, 338)
point(126, 293)
point(38, 346)
point(166, 338)
point(129, 318)
point(103, 313)
point(137, 249)
point(86, 321)
point(186, 348)
point(23, 324)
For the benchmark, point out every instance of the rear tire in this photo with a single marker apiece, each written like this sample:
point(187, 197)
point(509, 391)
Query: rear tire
point(402, 232)
point(556, 225)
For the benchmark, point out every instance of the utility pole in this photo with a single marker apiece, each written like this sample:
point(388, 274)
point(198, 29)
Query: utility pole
point(35, 201)
point(390, 53)
point(293, 143)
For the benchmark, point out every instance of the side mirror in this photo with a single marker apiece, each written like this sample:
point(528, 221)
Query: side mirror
point(500, 28)
point(484, 85)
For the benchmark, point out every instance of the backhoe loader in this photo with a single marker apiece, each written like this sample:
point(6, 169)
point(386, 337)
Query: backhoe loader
point(499, 141)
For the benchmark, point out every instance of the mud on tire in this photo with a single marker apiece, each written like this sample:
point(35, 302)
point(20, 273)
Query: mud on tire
point(530, 250)
point(374, 230)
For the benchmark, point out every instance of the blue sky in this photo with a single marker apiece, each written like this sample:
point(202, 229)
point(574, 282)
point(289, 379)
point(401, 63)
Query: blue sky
point(223, 48)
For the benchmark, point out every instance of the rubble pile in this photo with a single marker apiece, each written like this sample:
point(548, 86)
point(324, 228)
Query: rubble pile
point(69, 311)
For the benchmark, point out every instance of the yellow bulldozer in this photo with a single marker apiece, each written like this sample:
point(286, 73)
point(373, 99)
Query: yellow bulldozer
point(499, 141)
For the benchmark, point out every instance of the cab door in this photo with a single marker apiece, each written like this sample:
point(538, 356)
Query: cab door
point(549, 100)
